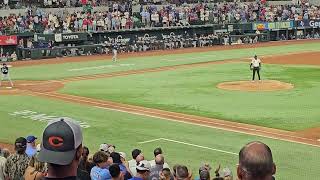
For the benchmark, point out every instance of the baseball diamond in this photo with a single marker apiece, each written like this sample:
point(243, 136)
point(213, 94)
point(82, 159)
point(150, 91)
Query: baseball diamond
point(151, 90)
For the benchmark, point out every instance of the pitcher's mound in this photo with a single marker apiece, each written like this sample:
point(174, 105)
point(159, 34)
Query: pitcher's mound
point(265, 85)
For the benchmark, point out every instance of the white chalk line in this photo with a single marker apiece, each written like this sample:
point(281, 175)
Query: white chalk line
point(212, 127)
point(100, 67)
point(174, 116)
point(188, 144)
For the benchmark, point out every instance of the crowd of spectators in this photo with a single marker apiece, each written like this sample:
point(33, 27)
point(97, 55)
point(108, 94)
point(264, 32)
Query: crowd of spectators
point(61, 155)
point(121, 16)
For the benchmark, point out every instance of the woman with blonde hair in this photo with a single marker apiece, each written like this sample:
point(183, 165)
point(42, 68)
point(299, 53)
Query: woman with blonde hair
point(36, 169)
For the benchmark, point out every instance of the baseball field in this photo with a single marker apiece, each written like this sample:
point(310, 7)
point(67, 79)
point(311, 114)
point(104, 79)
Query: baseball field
point(198, 104)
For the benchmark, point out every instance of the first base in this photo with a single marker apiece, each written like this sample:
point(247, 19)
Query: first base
point(9, 87)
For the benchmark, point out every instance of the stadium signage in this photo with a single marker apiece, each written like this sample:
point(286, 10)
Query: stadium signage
point(273, 25)
point(309, 23)
point(8, 40)
point(36, 116)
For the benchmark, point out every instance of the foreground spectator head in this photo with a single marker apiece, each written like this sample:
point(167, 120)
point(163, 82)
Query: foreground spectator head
point(31, 146)
point(204, 175)
point(143, 169)
point(100, 158)
point(20, 145)
point(157, 151)
point(17, 163)
point(137, 155)
point(123, 156)
point(61, 148)
point(256, 162)
point(181, 172)
point(227, 174)
point(115, 172)
point(159, 159)
point(116, 158)
point(85, 153)
point(100, 171)
point(5, 153)
point(165, 174)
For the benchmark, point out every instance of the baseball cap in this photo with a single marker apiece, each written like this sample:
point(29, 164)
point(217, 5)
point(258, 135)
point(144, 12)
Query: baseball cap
point(20, 143)
point(104, 147)
point(31, 139)
point(143, 165)
point(226, 172)
point(123, 155)
point(60, 141)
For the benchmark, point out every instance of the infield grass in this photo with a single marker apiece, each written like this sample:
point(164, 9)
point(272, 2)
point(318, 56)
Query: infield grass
point(193, 91)
point(294, 161)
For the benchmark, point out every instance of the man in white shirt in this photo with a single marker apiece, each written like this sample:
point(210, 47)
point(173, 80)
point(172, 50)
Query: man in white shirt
point(255, 66)
point(156, 152)
point(137, 156)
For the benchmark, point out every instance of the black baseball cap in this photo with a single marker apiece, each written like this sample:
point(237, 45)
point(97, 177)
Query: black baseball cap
point(60, 141)
point(20, 143)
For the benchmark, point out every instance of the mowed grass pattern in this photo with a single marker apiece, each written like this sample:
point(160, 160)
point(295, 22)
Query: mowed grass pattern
point(294, 161)
point(193, 91)
point(92, 66)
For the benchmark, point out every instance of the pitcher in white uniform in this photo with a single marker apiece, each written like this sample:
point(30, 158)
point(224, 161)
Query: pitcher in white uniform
point(255, 66)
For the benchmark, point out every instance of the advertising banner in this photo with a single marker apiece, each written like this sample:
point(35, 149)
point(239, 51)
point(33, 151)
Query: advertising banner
point(8, 40)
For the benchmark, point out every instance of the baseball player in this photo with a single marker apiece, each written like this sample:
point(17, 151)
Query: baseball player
point(5, 74)
point(255, 66)
point(114, 52)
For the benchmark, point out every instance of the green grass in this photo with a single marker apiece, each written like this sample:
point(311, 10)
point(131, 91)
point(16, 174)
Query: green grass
point(58, 71)
point(294, 161)
point(194, 91)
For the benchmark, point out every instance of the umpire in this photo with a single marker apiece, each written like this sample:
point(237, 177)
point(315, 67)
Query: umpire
point(255, 66)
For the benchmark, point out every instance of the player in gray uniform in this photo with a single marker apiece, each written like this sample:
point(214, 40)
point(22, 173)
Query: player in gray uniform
point(5, 74)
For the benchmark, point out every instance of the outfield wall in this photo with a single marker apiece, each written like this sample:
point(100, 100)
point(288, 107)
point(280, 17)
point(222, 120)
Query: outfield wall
point(38, 46)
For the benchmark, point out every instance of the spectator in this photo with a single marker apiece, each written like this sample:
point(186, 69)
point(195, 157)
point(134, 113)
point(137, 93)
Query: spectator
point(143, 171)
point(61, 148)
point(166, 174)
point(14, 56)
point(100, 171)
point(31, 146)
point(156, 152)
point(227, 174)
point(137, 156)
point(3, 161)
point(181, 172)
point(17, 163)
point(5, 153)
point(116, 159)
point(157, 168)
point(36, 169)
point(204, 175)
point(115, 172)
point(85, 165)
point(256, 162)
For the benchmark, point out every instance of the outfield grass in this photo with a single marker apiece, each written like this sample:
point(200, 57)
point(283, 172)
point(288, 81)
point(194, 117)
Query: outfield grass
point(58, 71)
point(294, 161)
point(194, 91)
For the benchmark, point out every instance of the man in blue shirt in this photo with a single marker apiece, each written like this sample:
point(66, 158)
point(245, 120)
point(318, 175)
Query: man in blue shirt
point(143, 171)
point(100, 171)
point(31, 146)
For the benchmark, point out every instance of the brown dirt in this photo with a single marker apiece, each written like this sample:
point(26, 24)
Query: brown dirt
point(307, 58)
point(10, 147)
point(47, 89)
point(313, 133)
point(154, 53)
point(265, 85)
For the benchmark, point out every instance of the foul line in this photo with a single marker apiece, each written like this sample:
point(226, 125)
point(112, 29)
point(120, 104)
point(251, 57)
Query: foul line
point(181, 121)
point(188, 144)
